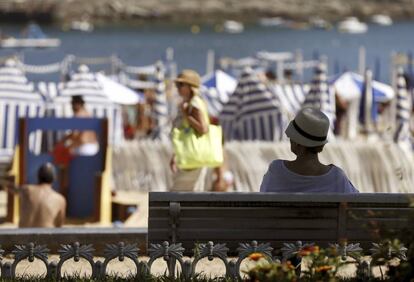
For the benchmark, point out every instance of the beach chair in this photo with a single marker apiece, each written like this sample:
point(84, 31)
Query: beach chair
point(87, 192)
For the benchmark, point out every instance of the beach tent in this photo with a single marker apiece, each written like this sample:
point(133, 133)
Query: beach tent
point(18, 98)
point(320, 95)
point(85, 83)
point(402, 135)
point(216, 90)
point(252, 112)
point(350, 86)
point(291, 96)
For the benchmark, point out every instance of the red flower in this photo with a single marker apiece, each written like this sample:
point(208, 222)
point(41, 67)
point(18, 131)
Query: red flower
point(256, 256)
point(323, 268)
point(308, 250)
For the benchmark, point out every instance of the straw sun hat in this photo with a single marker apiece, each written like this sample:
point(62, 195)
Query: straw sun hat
point(309, 128)
point(190, 77)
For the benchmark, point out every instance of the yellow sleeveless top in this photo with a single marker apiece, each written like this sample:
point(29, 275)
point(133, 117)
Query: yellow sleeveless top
point(198, 102)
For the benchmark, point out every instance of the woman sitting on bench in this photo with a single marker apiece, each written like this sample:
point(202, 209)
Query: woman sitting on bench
point(306, 174)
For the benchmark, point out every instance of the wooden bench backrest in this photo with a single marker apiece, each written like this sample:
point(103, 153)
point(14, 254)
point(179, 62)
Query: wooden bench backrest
point(235, 218)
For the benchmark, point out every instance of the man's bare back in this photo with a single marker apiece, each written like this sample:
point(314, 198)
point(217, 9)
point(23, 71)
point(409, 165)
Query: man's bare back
point(41, 206)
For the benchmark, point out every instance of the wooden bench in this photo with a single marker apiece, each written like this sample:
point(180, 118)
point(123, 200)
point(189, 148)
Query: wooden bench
point(234, 218)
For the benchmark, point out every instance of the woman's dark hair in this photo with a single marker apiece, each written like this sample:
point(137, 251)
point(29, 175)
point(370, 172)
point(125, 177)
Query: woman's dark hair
point(77, 99)
point(46, 174)
point(315, 150)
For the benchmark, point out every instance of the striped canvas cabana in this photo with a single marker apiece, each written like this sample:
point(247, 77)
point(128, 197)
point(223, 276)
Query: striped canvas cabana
point(253, 112)
point(17, 99)
point(84, 83)
point(402, 134)
point(320, 96)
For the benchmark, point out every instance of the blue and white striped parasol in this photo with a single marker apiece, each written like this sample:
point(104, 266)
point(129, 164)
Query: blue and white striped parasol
point(368, 109)
point(402, 135)
point(291, 96)
point(17, 99)
point(216, 90)
point(85, 83)
point(253, 112)
point(320, 96)
point(350, 86)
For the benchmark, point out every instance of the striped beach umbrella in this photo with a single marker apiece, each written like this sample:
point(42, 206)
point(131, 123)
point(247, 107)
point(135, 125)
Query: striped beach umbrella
point(368, 110)
point(291, 96)
point(320, 96)
point(85, 83)
point(350, 86)
point(253, 112)
point(17, 99)
point(160, 114)
point(402, 135)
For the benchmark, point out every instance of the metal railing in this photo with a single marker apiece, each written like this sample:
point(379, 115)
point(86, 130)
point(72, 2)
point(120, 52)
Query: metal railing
point(173, 255)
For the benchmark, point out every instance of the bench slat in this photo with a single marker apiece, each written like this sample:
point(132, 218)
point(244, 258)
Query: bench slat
point(243, 234)
point(254, 223)
point(379, 213)
point(252, 212)
point(364, 223)
point(233, 218)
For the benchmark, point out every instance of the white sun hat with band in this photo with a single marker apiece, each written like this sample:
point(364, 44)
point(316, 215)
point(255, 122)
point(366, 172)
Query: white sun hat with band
point(309, 128)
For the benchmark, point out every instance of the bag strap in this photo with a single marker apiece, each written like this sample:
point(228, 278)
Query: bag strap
point(204, 111)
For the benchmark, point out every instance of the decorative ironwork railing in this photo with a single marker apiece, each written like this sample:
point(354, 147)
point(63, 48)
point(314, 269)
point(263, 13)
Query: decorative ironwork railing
point(173, 255)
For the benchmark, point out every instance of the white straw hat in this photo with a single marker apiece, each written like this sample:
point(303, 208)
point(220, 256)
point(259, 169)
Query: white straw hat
point(309, 128)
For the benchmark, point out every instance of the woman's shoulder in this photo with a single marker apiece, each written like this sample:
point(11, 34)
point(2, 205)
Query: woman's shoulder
point(347, 186)
point(337, 170)
point(197, 101)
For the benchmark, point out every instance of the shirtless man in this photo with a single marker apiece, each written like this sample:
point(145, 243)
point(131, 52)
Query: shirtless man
point(81, 143)
point(40, 205)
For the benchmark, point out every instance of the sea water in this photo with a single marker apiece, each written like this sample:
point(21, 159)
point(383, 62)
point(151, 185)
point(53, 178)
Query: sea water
point(144, 44)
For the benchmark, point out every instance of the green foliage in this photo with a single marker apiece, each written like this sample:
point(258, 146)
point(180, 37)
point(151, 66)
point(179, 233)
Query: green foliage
point(265, 271)
point(323, 265)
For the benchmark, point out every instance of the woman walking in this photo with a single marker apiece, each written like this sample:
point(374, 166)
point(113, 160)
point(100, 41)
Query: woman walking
point(192, 114)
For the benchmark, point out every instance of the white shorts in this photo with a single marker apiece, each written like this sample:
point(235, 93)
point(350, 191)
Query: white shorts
point(87, 149)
